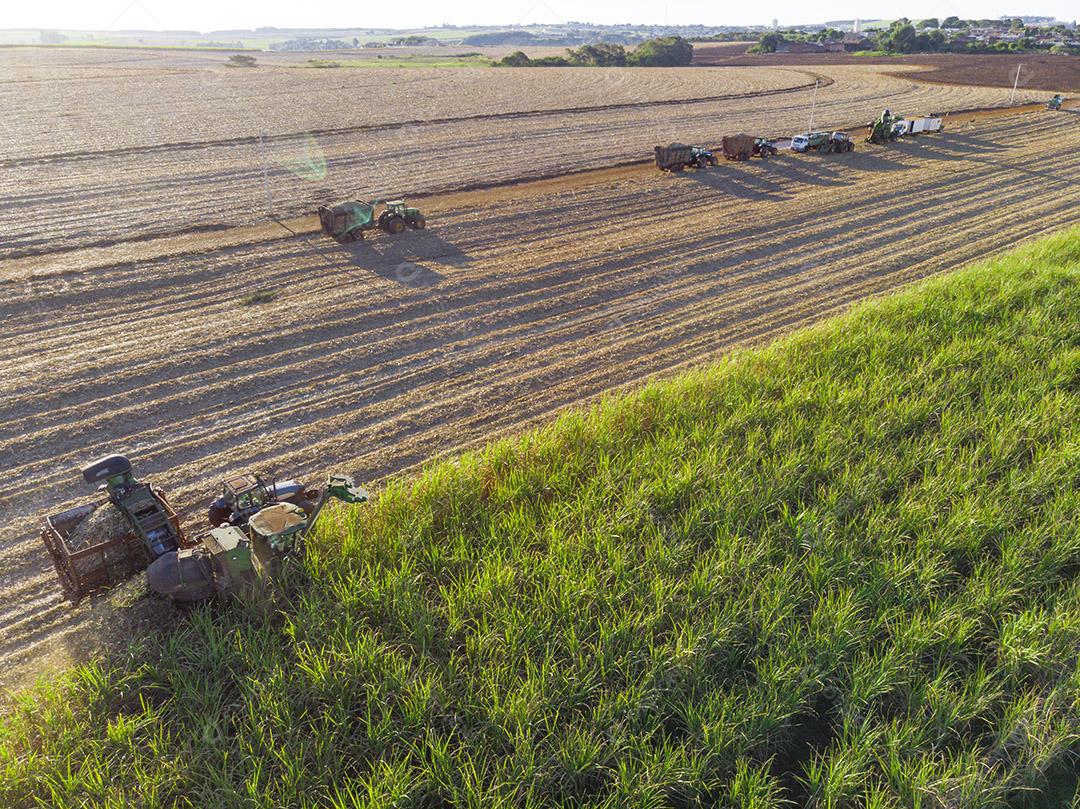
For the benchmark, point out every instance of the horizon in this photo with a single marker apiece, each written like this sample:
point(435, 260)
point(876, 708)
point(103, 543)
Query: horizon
point(202, 17)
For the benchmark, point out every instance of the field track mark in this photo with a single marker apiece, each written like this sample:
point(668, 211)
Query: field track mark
point(248, 140)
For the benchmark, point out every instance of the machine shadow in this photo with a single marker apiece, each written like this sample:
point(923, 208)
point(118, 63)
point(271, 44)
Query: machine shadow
point(406, 258)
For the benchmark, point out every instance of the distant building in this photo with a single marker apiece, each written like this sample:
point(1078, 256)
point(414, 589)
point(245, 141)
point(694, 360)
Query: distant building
point(799, 47)
point(856, 42)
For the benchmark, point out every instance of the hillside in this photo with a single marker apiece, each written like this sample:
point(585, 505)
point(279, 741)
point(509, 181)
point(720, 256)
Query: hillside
point(838, 569)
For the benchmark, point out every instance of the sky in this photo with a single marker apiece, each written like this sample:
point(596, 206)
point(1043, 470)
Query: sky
point(208, 15)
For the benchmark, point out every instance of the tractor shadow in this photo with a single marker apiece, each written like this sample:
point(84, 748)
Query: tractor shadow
point(406, 258)
point(738, 184)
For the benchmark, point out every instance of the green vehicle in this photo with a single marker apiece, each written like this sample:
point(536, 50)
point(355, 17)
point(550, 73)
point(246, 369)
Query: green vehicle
point(231, 560)
point(347, 221)
point(1055, 102)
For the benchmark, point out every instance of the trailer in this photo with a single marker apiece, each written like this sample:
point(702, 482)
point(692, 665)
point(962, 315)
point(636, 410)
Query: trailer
point(737, 147)
point(85, 570)
point(678, 156)
point(918, 126)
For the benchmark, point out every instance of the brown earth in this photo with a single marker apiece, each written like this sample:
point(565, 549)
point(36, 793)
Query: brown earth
point(185, 148)
point(1037, 71)
point(515, 303)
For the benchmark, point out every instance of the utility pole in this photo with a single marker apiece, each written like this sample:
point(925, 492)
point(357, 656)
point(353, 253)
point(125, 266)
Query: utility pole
point(1016, 81)
point(813, 106)
point(266, 178)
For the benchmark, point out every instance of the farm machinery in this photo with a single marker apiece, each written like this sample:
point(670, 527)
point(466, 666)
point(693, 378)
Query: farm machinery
point(743, 147)
point(678, 156)
point(256, 525)
point(231, 559)
point(883, 129)
point(827, 142)
point(135, 523)
point(1055, 102)
point(348, 221)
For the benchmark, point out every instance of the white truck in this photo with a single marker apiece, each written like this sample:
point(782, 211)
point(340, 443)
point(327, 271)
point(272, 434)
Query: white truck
point(917, 126)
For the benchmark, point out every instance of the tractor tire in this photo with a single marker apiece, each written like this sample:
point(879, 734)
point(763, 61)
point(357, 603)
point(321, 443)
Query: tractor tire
point(850, 146)
point(218, 515)
point(395, 224)
point(419, 223)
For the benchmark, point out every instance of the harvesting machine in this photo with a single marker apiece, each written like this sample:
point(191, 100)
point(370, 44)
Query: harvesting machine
point(257, 524)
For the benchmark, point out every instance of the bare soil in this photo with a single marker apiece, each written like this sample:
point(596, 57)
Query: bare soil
point(517, 302)
point(1037, 71)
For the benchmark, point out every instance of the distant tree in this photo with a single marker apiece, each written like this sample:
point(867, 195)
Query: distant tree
point(356, 42)
point(241, 60)
point(515, 59)
point(767, 43)
point(930, 22)
point(599, 55)
point(671, 51)
point(952, 23)
point(900, 37)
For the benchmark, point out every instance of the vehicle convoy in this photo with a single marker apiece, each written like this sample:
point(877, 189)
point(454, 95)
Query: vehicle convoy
point(100, 545)
point(347, 221)
point(1055, 102)
point(678, 156)
point(822, 142)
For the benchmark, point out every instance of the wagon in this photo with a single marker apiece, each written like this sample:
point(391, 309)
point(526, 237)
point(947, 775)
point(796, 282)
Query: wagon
point(105, 564)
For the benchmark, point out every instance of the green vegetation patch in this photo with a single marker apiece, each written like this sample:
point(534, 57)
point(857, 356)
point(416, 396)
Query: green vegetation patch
point(841, 570)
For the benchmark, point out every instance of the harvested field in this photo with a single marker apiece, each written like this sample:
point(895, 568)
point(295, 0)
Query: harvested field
point(373, 357)
point(159, 164)
point(1037, 72)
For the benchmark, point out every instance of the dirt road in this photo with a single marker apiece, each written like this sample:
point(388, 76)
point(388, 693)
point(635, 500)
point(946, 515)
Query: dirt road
point(373, 357)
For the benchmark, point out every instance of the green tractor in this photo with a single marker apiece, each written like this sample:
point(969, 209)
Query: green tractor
point(347, 221)
point(231, 559)
point(1055, 102)
point(883, 130)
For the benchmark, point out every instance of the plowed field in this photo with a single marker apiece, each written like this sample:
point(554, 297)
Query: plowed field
point(126, 146)
point(515, 303)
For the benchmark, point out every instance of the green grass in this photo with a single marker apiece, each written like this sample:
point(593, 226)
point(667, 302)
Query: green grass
point(841, 570)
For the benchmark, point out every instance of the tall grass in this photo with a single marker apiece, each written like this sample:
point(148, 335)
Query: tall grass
point(839, 571)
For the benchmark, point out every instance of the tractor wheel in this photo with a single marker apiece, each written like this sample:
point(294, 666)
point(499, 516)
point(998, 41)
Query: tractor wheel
point(419, 223)
point(850, 146)
point(218, 515)
point(395, 224)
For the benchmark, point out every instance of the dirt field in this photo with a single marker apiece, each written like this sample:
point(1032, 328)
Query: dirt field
point(185, 144)
point(515, 303)
point(1037, 71)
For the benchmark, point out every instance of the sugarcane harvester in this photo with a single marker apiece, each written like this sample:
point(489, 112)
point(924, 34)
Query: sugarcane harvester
point(100, 545)
point(232, 559)
point(883, 129)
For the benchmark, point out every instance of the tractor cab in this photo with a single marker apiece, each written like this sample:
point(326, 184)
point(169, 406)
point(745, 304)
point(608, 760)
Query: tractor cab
point(1055, 102)
point(246, 494)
